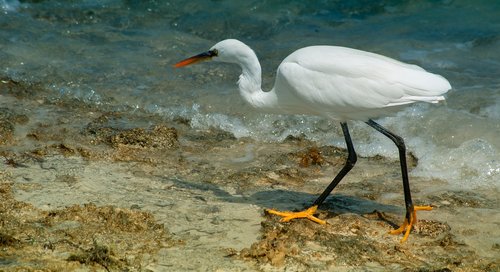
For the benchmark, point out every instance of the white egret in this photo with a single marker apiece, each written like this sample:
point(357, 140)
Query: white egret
point(341, 84)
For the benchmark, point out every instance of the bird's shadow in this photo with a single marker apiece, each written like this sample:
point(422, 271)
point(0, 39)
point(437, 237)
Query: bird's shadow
point(292, 200)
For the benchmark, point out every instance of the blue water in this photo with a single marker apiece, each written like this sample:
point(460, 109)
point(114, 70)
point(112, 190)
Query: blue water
point(119, 54)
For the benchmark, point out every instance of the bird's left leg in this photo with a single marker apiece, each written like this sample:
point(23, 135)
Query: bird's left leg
point(309, 213)
point(411, 210)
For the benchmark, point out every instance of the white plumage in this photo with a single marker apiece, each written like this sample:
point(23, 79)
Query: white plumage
point(337, 82)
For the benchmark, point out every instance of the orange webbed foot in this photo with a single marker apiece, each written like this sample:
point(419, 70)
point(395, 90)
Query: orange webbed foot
point(406, 226)
point(308, 213)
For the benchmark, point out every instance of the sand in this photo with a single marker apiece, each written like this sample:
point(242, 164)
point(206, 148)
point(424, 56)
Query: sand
point(86, 188)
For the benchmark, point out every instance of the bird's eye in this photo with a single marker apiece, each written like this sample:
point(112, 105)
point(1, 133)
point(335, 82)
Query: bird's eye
point(214, 52)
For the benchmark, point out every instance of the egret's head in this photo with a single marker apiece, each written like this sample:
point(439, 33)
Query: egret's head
point(230, 50)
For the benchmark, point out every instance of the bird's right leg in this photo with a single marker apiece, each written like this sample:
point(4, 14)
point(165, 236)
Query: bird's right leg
point(349, 164)
point(411, 210)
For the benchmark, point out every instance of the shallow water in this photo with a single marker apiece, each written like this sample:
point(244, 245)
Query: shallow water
point(119, 54)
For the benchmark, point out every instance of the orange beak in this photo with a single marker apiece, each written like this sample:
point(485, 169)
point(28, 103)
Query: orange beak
point(195, 59)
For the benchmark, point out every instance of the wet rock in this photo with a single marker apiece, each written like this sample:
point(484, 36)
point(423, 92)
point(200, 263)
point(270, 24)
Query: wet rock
point(13, 117)
point(211, 138)
point(272, 248)
point(8, 120)
point(159, 137)
point(7, 240)
point(431, 228)
point(6, 132)
point(109, 128)
point(18, 89)
point(97, 254)
point(311, 157)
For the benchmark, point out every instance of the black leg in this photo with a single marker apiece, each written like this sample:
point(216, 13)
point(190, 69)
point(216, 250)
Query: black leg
point(402, 159)
point(349, 164)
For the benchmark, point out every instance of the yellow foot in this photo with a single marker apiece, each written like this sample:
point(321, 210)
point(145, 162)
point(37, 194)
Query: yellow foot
point(309, 214)
point(406, 227)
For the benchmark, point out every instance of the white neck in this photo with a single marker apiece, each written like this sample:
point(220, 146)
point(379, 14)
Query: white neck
point(250, 85)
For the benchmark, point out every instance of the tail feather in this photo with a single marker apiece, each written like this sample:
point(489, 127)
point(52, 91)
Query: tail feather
point(412, 99)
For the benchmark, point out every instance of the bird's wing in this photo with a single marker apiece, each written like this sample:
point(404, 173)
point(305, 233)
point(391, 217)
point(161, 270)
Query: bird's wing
point(344, 80)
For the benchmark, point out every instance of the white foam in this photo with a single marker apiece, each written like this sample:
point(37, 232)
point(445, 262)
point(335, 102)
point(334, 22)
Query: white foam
point(473, 164)
point(201, 120)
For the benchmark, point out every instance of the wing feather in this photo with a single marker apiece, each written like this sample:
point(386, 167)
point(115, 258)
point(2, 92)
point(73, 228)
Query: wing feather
point(342, 80)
